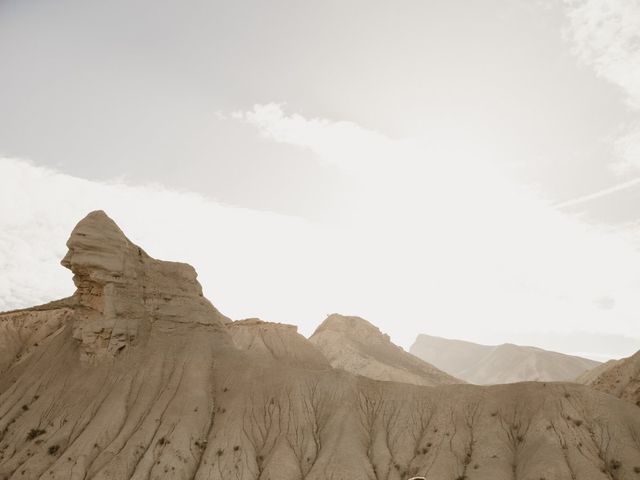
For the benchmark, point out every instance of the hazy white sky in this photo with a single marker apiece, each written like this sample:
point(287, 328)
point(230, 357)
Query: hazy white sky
point(463, 169)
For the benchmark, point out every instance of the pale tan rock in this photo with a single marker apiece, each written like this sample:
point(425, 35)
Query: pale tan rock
point(182, 401)
point(276, 341)
point(122, 291)
point(496, 364)
point(620, 378)
point(354, 345)
point(23, 330)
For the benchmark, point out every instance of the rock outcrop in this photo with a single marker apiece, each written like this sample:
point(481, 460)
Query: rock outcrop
point(276, 341)
point(121, 291)
point(192, 397)
point(617, 377)
point(356, 346)
point(506, 363)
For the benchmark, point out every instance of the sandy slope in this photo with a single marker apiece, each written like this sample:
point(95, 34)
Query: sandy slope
point(507, 363)
point(617, 377)
point(355, 345)
point(137, 376)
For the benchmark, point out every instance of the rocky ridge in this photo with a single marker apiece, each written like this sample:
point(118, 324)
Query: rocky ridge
point(137, 376)
point(356, 346)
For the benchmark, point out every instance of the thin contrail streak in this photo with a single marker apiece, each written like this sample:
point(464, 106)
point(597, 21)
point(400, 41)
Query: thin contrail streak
point(601, 193)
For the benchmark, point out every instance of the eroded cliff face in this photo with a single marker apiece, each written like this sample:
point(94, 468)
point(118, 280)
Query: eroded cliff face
point(190, 396)
point(121, 291)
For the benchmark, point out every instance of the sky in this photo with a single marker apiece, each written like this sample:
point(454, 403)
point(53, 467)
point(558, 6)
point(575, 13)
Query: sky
point(467, 169)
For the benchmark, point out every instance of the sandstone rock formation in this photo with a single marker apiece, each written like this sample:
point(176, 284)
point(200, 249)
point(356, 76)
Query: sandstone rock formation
point(276, 341)
point(491, 365)
point(354, 345)
point(137, 376)
point(617, 377)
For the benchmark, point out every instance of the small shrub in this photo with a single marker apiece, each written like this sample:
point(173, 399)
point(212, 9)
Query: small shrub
point(25, 407)
point(615, 464)
point(53, 449)
point(636, 469)
point(236, 448)
point(220, 452)
point(35, 433)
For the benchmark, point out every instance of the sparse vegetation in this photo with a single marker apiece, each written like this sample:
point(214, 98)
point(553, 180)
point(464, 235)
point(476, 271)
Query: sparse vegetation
point(35, 433)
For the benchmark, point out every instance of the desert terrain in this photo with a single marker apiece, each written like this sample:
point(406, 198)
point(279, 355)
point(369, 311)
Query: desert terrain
point(138, 376)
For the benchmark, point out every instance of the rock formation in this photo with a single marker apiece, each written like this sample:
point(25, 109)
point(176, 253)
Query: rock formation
point(506, 363)
point(354, 345)
point(617, 377)
point(136, 376)
point(276, 341)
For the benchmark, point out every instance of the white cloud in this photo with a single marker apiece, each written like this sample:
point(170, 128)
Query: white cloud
point(464, 242)
point(439, 240)
point(341, 142)
point(605, 34)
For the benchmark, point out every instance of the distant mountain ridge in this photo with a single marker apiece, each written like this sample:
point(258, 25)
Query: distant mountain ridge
point(506, 363)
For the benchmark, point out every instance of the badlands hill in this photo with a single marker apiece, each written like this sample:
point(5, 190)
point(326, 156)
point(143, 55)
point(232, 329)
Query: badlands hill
point(357, 346)
point(491, 365)
point(617, 377)
point(137, 376)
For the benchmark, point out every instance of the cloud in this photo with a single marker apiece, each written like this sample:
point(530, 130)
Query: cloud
point(601, 193)
point(338, 142)
point(451, 224)
point(605, 34)
point(439, 239)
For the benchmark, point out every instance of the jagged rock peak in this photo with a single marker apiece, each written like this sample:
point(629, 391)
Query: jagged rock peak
point(353, 326)
point(124, 290)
